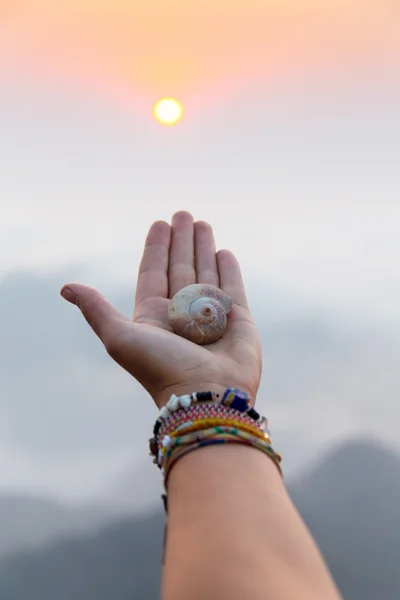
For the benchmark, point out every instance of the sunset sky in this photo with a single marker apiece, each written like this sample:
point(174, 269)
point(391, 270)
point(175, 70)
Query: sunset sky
point(289, 146)
point(145, 47)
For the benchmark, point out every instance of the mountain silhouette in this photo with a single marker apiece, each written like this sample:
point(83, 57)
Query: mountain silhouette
point(350, 501)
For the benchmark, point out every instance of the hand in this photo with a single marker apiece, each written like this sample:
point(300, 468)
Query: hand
point(163, 362)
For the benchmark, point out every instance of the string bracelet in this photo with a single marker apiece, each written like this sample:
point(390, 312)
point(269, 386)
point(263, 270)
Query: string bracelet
point(215, 435)
point(169, 443)
point(212, 441)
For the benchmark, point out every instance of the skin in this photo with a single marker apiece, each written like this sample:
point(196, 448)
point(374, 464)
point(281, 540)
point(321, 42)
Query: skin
point(232, 529)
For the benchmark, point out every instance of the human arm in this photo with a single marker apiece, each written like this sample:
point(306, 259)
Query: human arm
point(232, 531)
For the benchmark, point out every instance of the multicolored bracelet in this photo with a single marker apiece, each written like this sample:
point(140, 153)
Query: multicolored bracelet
point(205, 411)
point(177, 407)
point(201, 425)
point(195, 420)
point(176, 403)
point(232, 398)
point(201, 419)
point(178, 447)
point(170, 444)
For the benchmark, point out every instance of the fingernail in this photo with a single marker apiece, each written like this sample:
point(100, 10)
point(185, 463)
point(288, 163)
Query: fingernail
point(68, 295)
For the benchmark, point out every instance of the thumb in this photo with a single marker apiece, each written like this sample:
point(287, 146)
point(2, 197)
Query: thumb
point(102, 316)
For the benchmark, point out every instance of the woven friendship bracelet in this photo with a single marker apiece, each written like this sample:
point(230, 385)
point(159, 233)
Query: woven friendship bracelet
point(171, 444)
point(222, 439)
point(216, 435)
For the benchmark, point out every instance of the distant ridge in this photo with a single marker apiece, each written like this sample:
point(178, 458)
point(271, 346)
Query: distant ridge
point(350, 501)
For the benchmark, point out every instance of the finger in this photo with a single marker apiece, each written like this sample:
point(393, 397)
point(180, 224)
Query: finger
point(103, 317)
point(153, 269)
point(181, 256)
point(230, 277)
point(205, 259)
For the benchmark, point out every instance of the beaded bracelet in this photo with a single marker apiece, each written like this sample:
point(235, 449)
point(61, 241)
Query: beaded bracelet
point(233, 400)
point(182, 418)
point(184, 424)
point(199, 424)
point(181, 402)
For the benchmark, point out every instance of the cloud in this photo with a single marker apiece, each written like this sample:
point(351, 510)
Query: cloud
point(63, 403)
point(75, 424)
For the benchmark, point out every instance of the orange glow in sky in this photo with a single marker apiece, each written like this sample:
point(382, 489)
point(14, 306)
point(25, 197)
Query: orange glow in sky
point(179, 46)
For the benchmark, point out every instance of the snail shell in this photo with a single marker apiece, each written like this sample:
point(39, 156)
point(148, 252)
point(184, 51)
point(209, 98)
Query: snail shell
point(198, 313)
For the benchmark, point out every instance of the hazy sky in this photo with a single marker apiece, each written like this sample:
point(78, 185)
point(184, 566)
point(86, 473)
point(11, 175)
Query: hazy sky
point(290, 147)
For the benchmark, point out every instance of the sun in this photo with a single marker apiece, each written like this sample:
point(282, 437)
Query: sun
point(168, 111)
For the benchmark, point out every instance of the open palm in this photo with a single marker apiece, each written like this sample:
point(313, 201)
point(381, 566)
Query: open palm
point(163, 362)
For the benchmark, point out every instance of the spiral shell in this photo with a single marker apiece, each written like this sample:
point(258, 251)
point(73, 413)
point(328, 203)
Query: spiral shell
point(198, 313)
